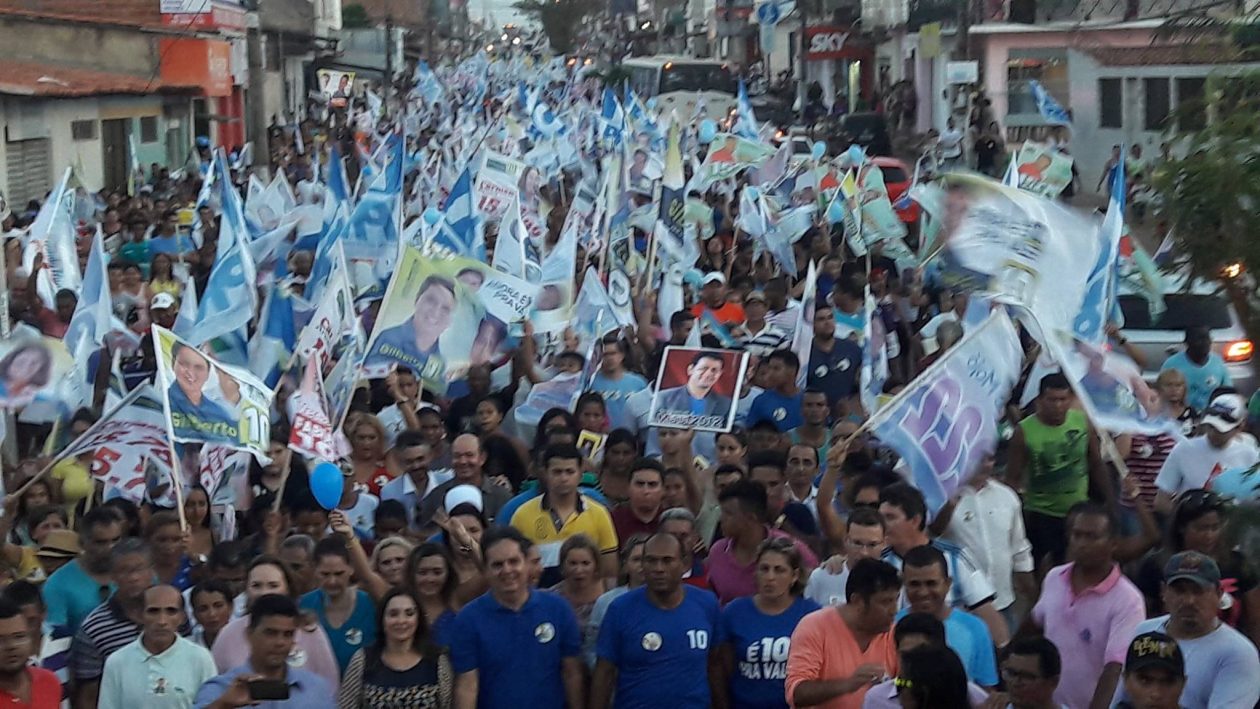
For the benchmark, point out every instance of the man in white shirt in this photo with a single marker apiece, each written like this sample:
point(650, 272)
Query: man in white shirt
point(985, 518)
point(414, 456)
point(782, 311)
point(1195, 462)
point(401, 415)
point(756, 335)
point(863, 539)
point(951, 144)
point(1221, 665)
point(159, 668)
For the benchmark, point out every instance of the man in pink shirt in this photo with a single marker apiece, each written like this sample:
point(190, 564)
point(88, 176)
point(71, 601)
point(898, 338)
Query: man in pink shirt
point(1088, 610)
point(733, 559)
point(838, 653)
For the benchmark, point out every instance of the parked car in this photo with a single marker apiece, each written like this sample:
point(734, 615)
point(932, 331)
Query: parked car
point(897, 178)
point(1201, 304)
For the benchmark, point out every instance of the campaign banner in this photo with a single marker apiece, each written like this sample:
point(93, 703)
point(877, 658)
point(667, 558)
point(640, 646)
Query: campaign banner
point(728, 155)
point(334, 318)
point(496, 184)
point(561, 391)
point(1042, 170)
point(313, 434)
point(554, 306)
point(945, 421)
point(209, 402)
point(32, 368)
point(442, 315)
point(336, 86)
point(130, 437)
point(1110, 387)
point(697, 389)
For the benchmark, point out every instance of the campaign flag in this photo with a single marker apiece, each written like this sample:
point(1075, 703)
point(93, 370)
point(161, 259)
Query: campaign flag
point(52, 235)
point(874, 372)
point(93, 315)
point(495, 186)
point(514, 252)
point(272, 345)
point(1110, 387)
point(945, 421)
point(33, 369)
point(596, 313)
point(209, 402)
point(313, 434)
point(460, 228)
point(229, 300)
point(1042, 170)
point(375, 225)
point(612, 118)
point(728, 155)
point(121, 441)
point(745, 121)
point(673, 199)
point(1100, 287)
point(1051, 111)
point(334, 317)
point(553, 307)
point(803, 336)
point(219, 464)
point(851, 201)
point(338, 184)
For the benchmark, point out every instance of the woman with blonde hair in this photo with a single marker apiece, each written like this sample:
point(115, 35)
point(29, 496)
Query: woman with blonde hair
point(367, 438)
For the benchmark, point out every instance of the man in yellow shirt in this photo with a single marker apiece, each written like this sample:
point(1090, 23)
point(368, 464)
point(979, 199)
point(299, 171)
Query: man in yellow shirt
point(562, 512)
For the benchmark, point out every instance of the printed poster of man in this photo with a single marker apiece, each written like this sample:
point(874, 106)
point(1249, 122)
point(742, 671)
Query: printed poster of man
point(31, 367)
point(209, 402)
point(336, 86)
point(696, 388)
point(442, 315)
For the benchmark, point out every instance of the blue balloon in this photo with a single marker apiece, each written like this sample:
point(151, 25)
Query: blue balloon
point(708, 131)
point(326, 480)
point(431, 216)
point(857, 156)
point(819, 150)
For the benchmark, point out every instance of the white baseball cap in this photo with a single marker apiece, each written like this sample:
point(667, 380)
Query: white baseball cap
point(463, 494)
point(1226, 413)
point(713, 277)
point(162, 301)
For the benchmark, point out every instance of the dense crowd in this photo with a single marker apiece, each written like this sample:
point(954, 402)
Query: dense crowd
point(475, 559)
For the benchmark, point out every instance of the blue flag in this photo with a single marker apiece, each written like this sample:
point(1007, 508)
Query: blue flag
point(93, 315)
point(460, 228)
point(230, 298)
point(745, 120)
point(1100, 288)
point(273, 343)
point(1051, 111)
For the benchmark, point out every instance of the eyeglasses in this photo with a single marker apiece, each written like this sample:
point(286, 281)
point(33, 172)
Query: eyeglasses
point(1014, 675)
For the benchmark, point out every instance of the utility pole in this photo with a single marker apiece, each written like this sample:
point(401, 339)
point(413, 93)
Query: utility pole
point(256, 113)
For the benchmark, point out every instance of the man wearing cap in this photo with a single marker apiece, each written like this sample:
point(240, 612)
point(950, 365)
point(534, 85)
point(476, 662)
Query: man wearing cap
point(1196, 462)
point(1221, 665)
point(713, 299)
point(467, 461)
point(59, 548)
point(1204, 369)
point(756, 335)
point(1154, 673)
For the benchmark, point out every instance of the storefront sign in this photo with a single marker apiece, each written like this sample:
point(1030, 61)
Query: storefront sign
point(826, 42)
point(962, 72)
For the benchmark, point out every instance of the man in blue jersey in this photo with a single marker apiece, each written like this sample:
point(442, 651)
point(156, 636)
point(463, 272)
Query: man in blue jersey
point(616, 384)
point(514, 646)
point(658, 640)
point(927, 583)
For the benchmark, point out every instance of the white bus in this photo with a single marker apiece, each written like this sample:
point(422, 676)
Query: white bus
point(678, 83)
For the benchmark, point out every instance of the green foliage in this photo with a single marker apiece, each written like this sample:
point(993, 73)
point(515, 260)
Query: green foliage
point(614, 77)
point(559, 19)
point(355, 17)
point(1211, 193)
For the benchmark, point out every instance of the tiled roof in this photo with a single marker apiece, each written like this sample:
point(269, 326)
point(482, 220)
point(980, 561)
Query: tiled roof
point(46, 80)
point(1165, 55)
point(405, 14)
point(130, 13)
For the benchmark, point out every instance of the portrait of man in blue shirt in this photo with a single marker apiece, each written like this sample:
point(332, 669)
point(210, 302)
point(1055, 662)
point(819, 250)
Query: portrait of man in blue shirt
point(657, 641)
point(414, 343)
point(193, 414)
point(695, 404)
point(514, 646)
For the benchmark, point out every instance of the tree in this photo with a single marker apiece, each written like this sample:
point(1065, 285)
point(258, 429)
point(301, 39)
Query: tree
point(559, 19)
point(355, 17)
point(1211, 193)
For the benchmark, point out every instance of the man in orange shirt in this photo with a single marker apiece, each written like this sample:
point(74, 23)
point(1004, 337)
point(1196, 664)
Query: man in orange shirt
point(840, 652)
point(713, 299)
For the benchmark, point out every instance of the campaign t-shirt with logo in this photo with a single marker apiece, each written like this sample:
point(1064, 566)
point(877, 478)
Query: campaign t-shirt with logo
point(835, 372)
point(1201, 381)
point(661, 655)
point(359, 630)
point(760, 643)
point(1196, 463)
point(616, 393)
point(783, 411)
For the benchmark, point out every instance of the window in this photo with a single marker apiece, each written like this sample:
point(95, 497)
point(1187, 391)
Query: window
point(148, 129)
point(83, 130)
point(1110, 103)
point(1158, 103)
point(1046, 66)
point(1191, 111)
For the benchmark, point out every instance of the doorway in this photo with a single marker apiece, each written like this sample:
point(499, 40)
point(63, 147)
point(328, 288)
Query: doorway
point(116, 154)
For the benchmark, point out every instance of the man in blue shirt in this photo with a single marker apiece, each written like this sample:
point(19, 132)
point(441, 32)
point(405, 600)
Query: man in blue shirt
point(781, 402)
point(834, 363)
point(658, 640)
point(616, 384)
point(927, 585)
point(1204, 369)
point(77, 588)
point(347, 613)
point(513, 646)
point(273, 625)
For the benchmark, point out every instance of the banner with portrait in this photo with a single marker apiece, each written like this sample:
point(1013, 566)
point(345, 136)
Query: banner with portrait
point(313, 434)
point(495, 186)
point(698, 389)
point(1110, 387)
point(1042, 170)
point(32, 368)
point(210, 402)
point(442, 315)
point(337, 87)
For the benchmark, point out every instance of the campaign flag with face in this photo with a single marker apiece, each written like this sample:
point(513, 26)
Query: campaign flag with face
point(1042, 170)
point(52, 235)
point(32, 369)
point(443, 315)
point(209, 402)
point(553, 306)
point(945, 421)
point(514, 252)
point(375, 225)
point(698, 389)
point(225, 306)
point(803, 335)
point(1110, 387)
point(728, 155)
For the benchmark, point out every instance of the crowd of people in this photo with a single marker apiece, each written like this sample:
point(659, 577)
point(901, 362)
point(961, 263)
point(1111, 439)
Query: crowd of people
point(475, 560)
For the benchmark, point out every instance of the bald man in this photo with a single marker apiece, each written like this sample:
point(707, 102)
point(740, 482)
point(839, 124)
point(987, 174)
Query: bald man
point(174, 667)
point(468, 460)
